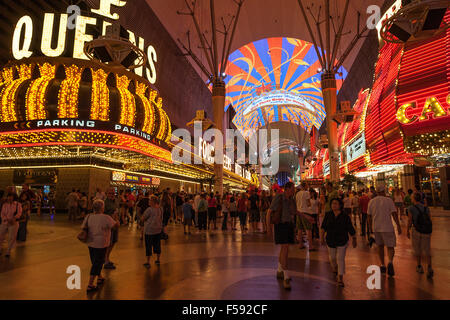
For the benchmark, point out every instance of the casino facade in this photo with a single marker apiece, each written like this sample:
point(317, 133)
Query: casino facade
point(69, 122)
point(401, 133)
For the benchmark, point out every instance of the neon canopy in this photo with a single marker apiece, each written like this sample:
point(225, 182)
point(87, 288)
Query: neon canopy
point(273, 80)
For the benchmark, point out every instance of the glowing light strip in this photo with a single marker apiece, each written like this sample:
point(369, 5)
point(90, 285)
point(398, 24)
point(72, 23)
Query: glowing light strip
point(162, 117)
point(98, 167)
point(8, 94)
point(121, 141)
point(100, 96)
point(128, 106)
point(68, 93)
point(149, 122)
point(35, 101)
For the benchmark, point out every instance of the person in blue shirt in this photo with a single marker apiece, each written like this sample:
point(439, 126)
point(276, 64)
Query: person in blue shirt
point(187, 209)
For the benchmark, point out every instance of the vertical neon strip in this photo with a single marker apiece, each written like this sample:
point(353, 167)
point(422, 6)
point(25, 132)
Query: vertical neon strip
point(8, 94)
point(100, 96)
point(149, 122)
point(35, 101)
point(128, 105)
point(68, 93)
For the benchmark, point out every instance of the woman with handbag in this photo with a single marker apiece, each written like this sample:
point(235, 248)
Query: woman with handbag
point(336, 228)
point(96, 232)
point(153, 229)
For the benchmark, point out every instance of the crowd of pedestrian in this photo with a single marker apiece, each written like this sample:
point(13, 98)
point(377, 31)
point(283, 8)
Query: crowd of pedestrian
point(303, 216)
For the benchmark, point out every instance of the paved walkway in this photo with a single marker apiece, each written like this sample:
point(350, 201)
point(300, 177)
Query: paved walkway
point(211, 266)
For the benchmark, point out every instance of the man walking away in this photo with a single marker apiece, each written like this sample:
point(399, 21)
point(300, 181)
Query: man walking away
point(380, 210)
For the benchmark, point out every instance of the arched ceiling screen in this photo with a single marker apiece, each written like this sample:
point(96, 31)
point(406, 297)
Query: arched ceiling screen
point(273, 80)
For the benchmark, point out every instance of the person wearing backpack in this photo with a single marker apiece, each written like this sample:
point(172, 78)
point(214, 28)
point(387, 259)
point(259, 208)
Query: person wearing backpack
point(420, 218)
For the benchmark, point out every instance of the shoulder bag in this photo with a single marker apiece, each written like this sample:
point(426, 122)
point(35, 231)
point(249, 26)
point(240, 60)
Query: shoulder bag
point(83, 235)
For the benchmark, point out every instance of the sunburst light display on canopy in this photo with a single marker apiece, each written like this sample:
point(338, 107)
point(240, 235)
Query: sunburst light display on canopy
point(276, 79)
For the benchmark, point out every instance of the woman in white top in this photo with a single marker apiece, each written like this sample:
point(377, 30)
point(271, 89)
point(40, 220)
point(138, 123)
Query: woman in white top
point(98, 227)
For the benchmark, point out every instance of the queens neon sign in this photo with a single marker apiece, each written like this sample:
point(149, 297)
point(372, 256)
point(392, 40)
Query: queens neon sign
point(22, 42)
point(432, 105)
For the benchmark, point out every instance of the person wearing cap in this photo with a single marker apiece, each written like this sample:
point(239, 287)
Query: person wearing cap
point(381, 210)
point(10, 213)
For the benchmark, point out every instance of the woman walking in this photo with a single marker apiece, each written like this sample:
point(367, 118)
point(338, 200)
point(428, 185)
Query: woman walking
point(336, 226)
point(153, 228)
point(98, 226)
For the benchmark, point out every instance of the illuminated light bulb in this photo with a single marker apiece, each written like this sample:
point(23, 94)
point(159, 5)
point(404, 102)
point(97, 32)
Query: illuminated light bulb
point(100, 96)
point(128, 106)
point(8, 93)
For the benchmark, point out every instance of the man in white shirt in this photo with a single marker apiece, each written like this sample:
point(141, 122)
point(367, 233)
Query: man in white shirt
point(10, 213)
point(303, 201)
point(380, 212)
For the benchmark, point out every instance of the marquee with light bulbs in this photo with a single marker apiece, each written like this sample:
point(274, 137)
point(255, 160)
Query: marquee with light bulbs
point(47, 101)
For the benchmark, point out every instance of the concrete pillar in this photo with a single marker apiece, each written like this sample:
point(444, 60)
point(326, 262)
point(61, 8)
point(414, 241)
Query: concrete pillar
point(218, 102)
point(381, 180)
point(444, 173)
point(329, 92)
point(408, 178)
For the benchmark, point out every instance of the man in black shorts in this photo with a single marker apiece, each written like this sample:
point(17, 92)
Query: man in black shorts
point(284, 232)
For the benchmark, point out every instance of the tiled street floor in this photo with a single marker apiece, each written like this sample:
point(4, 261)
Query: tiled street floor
point(218, 265)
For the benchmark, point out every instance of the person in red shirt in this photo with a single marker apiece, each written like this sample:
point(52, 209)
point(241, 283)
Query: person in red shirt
point(212, 211)
point(131, 200)
point(363, 205)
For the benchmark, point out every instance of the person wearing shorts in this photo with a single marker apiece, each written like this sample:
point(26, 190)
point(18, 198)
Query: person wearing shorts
point(284, 231)
point(380, 211)
point(421, 242)
point(153, 228)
